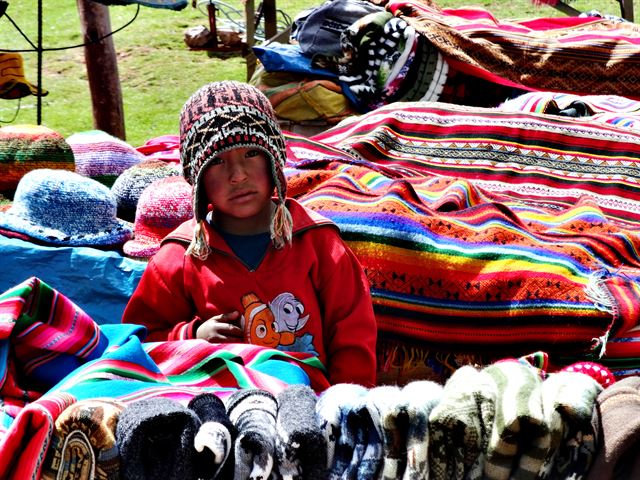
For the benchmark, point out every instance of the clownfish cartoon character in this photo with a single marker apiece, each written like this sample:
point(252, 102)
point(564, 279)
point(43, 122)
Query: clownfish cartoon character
point(260, 326)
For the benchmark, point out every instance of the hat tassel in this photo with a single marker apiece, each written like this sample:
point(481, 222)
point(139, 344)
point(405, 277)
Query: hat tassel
point(281, 226)
point(199, 246)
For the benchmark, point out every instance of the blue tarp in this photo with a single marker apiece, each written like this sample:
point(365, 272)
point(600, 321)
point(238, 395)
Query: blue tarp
point(99, 282)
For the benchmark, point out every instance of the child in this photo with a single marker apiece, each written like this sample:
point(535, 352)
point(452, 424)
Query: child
point(251, 266)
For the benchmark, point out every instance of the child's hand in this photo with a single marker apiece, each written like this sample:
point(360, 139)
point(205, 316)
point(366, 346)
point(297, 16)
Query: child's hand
point(223, 328)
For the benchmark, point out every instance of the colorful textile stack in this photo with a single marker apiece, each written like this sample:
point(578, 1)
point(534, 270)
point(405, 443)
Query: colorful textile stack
point(63, 208)
point(575, 55)
point(101, 156)
point(541, 264)
point(29, 147)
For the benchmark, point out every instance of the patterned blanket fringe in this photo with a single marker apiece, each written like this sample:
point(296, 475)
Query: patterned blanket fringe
point(597, 292)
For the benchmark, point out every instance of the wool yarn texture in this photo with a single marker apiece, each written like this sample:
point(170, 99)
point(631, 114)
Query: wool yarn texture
point(214, 439)
point(83, 444)
point(520, 437)
point(155, 437)
point(221, 116)
point(24, 148)
point(63, 208)
point(460, 425)
point(162, 207)
point(300, 445)
point(102, 156)
point(253, 412)
point(568, 402)
point(619, 407)
point(421, 397)
point(387, 407)
point(329, 415)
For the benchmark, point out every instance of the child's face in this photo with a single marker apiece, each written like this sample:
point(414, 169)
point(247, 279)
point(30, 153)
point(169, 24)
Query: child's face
point(239, 186)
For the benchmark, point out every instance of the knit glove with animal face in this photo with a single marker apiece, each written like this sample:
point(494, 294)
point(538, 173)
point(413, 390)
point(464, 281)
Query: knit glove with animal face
point(253, 413)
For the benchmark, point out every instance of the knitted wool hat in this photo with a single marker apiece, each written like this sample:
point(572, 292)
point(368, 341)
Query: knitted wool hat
point(128, 187)
point(162, 207)
point(101, 156)
point(155, 437)
point(85, 433)
point(222, 116)
point(253, 412)
point(214, 439)
point(29, 147)
point(59, 207)
point(13, 83)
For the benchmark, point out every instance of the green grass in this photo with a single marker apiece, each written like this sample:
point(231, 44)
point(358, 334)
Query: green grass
point(157, 71)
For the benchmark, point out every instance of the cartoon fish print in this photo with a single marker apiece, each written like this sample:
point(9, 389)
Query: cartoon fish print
point(288, 310)
point(260, 327)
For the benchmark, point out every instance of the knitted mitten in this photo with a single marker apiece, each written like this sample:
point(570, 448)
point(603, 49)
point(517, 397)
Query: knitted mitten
point(421, 397)
point(460, 425)
point(214, 439)
point(520, 436)
point(387, 407)
point(155, 439)
point(253, 412)
point(568, 400)
point(329, 415)
point(300, 445)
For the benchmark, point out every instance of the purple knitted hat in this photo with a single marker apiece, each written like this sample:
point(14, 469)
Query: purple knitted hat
point(222, 116)
point(102, 156)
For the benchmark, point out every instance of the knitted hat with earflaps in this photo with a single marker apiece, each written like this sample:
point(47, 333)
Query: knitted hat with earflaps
point(222, 116)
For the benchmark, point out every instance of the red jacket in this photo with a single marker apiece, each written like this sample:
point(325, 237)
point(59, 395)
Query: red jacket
point(311, 296)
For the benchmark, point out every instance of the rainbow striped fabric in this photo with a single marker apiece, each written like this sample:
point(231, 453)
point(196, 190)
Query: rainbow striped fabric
point(483, 229)
point(52, 355)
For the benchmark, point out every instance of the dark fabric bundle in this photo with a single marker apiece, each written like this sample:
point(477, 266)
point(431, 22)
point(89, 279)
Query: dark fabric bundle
point(155, 438)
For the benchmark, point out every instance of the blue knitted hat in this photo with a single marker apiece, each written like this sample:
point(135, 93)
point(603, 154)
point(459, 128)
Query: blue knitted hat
point(60, 207)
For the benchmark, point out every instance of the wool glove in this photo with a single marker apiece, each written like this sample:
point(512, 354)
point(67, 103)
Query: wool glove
point(300, 445)
point(253, 412)
point(214, 439)
point(155, 438)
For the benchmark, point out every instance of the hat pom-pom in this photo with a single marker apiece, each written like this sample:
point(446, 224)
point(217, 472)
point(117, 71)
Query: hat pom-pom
point(281, 226)
point(199, 246)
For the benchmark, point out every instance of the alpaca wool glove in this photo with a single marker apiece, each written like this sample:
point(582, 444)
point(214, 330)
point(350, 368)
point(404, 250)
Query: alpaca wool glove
point(253, 412)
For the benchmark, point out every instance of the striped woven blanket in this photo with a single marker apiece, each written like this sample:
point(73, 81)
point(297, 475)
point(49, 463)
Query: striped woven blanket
point(578, 55)
point(478, 227)
point(52, 355)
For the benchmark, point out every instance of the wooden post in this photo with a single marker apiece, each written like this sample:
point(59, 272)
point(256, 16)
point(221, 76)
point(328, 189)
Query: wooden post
point(102, 68)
